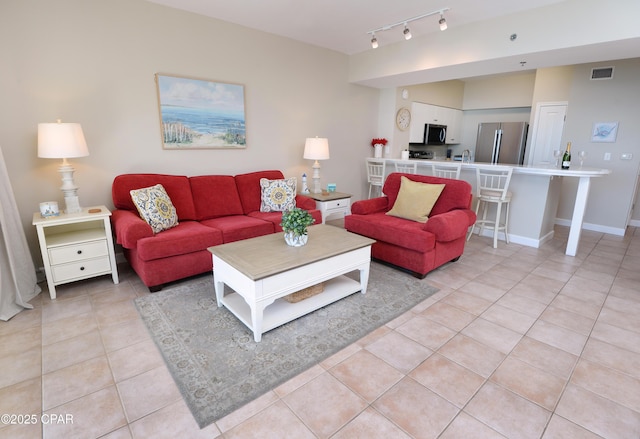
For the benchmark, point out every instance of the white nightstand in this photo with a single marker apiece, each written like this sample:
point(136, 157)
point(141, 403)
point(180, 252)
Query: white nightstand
point(76, 246)
point(334, 203)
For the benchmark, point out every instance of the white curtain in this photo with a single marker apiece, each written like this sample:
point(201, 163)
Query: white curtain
point(17, 272)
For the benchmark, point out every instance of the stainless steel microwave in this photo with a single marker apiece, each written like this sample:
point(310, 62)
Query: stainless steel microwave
point(435, 134)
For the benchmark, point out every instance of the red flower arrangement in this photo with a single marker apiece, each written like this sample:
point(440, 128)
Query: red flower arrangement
point(374, 142)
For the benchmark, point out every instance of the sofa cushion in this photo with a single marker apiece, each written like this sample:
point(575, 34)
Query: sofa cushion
point(249, 188)
point(277, 195)
point(186, 237)
point(456, 193)
point(391, 229)
point(237, 227)
point(215, 196)
point(415, 200)
point(177, 187)
point(155, 207)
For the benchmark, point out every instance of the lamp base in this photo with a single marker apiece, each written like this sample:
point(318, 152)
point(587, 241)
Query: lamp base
point(316, 178)
point(69, 188)
point(72, 205)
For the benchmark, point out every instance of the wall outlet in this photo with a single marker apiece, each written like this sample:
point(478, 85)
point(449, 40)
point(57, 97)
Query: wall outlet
point(607, 156)
point(626, 156)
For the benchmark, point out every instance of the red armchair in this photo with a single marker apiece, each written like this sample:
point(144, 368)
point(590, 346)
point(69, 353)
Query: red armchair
point(411, 245)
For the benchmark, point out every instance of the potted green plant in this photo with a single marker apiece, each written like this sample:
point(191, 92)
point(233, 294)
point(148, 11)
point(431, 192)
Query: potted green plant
point(294, 224)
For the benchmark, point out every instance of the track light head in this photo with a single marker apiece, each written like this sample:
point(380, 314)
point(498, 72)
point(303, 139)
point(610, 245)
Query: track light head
point(374, 42)
point(406, 32)
point(443, 23)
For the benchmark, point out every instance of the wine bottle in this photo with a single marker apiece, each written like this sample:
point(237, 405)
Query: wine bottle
point(566, 158)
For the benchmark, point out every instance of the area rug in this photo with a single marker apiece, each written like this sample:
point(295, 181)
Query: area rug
point(217, 365)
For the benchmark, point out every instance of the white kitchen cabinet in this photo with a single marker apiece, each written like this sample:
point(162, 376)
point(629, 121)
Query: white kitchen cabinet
point(422, 114)
point(454, 126)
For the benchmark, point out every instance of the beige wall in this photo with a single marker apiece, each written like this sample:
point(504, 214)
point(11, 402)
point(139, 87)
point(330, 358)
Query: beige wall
point(503, 91)
point(93, 62)
point(604, 101)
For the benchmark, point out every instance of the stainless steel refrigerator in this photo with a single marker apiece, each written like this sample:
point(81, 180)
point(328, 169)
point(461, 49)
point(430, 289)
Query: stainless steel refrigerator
point(501, 142)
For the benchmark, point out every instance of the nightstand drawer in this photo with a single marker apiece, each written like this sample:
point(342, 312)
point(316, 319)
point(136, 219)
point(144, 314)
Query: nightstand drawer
point(338, 204)
point(80, 270)
point(78, 252)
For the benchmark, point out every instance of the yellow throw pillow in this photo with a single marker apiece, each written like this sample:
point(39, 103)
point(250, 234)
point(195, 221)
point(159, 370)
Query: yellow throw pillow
point(415, 200)
point(155, 207)
point(277, 195)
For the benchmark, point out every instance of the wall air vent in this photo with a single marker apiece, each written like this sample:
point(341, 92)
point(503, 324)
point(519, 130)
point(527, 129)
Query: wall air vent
point(602, 73)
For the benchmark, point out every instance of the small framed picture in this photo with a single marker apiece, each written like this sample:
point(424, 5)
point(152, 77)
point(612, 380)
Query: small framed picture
point(604, 132)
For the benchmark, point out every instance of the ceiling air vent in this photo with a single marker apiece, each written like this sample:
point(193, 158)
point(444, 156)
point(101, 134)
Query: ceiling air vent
point(602, 73)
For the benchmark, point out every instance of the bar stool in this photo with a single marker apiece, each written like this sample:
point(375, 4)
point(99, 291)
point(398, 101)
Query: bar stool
point(375, 173)
point(407, 167)
point(492, 187)
point(446, 170)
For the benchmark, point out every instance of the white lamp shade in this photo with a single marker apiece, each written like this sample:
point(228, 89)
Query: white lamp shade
point(61, 140)
point(316, 148)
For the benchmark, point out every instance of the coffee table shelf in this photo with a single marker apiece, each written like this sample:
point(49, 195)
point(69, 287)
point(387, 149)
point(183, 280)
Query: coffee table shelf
point(281, 311)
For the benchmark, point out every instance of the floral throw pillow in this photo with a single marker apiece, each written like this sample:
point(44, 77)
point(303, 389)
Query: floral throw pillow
point(277, 195)
point(155, 207)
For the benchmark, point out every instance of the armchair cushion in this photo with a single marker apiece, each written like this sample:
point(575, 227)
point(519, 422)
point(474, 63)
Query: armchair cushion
point(394, 230)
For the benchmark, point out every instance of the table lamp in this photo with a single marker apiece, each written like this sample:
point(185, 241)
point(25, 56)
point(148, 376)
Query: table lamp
point(62, 141)
point(316, 148)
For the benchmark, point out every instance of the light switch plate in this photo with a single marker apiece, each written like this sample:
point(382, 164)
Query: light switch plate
point(607, 156)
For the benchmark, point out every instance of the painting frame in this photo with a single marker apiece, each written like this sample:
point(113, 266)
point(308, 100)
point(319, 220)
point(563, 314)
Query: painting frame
point(604, 132)
point(198, 113)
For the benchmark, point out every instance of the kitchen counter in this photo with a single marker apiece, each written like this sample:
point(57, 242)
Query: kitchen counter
point(517, 169)
point(536, 193)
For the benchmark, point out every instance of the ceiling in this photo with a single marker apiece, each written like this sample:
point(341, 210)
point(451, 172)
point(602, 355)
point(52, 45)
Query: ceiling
point(342, 25)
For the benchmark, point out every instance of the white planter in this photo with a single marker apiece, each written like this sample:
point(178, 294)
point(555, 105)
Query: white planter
point(377, 150)
point(295, 240)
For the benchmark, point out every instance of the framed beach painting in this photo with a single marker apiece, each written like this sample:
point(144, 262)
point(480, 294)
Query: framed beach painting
point(200, 114)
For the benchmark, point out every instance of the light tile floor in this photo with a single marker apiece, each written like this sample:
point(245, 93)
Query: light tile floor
point(518, 343)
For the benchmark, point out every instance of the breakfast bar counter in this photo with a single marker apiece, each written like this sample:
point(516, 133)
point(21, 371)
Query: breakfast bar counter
point(536, 194)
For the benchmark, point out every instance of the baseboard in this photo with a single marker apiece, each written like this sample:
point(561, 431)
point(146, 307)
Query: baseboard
point(594, 227)
point(634, 223)
point(522, 240)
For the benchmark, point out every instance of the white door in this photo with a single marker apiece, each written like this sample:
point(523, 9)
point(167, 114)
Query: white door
point(548, 126)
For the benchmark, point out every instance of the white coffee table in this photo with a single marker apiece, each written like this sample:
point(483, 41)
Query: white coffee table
point(262, 270)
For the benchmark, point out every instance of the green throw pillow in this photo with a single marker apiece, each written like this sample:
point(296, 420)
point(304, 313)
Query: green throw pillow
point(415, 200)
point(155, 207)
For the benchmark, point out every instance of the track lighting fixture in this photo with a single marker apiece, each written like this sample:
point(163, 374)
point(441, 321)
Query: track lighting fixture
point(407, 32)
point(443, 23)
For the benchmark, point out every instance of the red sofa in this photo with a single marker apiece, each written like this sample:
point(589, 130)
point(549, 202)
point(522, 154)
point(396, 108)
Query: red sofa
point(414, 246)
point(211, 209)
